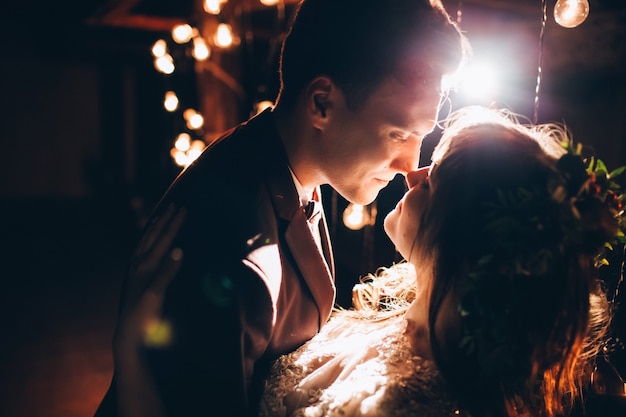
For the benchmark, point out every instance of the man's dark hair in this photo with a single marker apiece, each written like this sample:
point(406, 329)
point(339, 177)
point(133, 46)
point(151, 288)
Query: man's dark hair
point(359, 43)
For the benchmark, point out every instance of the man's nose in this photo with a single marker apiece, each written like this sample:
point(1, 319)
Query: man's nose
point(409, 158)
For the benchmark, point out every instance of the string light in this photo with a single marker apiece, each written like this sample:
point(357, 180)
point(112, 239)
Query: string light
point(224, 35)
point(357, 216)
point(159, 48)
point(183, 142)
point(170, 102)
point(194, 119)
point(165, 64)
point(185, 149)
point(182, 33)
point(213, 6)
point(200, 50)
point(539, 69)
point(571, 13)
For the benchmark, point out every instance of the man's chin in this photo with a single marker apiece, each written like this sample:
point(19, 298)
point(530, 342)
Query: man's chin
point(362, 197)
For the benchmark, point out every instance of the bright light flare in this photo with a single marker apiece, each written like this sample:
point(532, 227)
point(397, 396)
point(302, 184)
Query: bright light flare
point(479, 81)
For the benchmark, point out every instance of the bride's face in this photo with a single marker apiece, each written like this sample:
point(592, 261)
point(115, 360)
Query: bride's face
point(402, 222)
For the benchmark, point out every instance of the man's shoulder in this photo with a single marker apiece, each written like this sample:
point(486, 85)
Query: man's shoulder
point(249, 152)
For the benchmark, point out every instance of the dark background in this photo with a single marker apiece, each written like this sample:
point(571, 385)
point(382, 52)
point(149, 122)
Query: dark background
point(84, 155)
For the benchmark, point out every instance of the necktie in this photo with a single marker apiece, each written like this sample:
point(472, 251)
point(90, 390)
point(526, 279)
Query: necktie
point(312, 210)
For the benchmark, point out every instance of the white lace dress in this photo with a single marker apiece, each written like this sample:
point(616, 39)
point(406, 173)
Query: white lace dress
point(356, 367)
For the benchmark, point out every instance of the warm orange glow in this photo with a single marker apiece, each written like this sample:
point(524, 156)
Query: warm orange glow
point(213, 6)
point(188, 113)
point(201, 50)
point(159, 48)
point(183, 142)
point(262, 105)
point(180, 157)
point(571, 13)
point(355, 216)
point(193, 154)
point(182, 33)
point(193, 118)
point(224, 35)
point(186, 151)
point(170, 102)
point(164, 64)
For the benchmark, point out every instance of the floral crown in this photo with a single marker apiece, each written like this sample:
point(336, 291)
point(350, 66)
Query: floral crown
point(595, 183)
point(529, 228)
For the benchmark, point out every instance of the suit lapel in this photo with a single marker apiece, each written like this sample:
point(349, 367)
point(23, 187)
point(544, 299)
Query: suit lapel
point(317, 267)
point(310, 260)
point(326, 244)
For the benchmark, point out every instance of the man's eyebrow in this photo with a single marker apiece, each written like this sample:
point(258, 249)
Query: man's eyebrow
point(406, 127)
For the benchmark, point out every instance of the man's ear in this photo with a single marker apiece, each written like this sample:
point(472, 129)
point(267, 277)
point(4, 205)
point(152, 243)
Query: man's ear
point(319, 101)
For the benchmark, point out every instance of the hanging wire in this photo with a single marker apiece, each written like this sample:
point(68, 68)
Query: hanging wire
point(539, 69)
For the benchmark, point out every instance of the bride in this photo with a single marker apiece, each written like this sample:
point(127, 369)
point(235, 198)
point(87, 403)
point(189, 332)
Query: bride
point(498, 310)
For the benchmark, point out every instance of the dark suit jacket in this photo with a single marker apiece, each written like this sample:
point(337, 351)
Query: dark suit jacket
point(253, 284)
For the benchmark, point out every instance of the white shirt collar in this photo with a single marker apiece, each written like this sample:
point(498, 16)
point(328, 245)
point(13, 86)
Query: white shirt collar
point(305, 195)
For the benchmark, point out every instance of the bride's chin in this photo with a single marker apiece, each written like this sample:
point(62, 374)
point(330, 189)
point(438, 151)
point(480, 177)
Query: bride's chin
point(388, 226)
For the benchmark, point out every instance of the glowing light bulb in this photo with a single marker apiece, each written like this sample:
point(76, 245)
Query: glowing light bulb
point(212, 6)
point(170, 102)
point(183, 142)
point(201, 50)
point(269, 2)
point(571, 13)
point(224, 35)
point(355, 216)
point(159, 48)
point(165, 64)
point(193, 119)
point(179, 157)
point(196, 149)
point(479, 81)
point(182, 33)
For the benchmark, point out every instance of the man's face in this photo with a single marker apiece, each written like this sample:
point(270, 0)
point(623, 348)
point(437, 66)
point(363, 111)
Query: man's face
point(364, 150)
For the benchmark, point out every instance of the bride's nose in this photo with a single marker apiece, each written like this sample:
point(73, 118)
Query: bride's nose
point(415, 177)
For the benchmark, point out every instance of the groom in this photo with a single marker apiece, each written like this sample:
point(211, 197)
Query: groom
point(360, 88)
